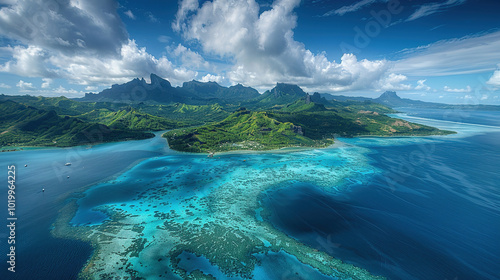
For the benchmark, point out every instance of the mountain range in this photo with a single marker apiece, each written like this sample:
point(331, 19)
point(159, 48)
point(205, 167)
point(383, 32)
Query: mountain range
point(201, 93)
point(161, 91)
point(204, 117)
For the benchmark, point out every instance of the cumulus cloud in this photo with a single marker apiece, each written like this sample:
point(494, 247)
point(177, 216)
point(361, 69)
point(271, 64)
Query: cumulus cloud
point(185, 7)
point(394, 82)
point(46, 82)
point(448, 89)
point(27, 61)
point(432, 8)
point(63, 91)
point(2, 85)
point(133, 61)
point(262, 47)
point(212, 78)
point(65, 26)
point(84, 42)
point(189, 58)
point(494, 79)
point(470, 54)
point(91, 88)
point(25, 86)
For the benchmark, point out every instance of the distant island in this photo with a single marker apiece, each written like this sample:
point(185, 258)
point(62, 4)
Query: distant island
point(201, 117)
point(391, 99)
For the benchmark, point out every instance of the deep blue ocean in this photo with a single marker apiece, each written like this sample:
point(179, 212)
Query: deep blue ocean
point(430, 211)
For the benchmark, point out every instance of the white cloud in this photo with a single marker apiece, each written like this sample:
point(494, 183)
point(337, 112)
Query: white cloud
point(190, 58)
point(91, 88)
point(263, 50)
point(25, 86)
point(132, 62)
point(84, 42)
point(350, 8)
point(130, 14)
point(448, 89)
point(81, 69)
point(61, 90)
point(2, 85)
point(46, 82)
point(422, 86)
point(494, 79)
point(394, 82)
point(185, 7)
point(432, 8)
point(28, 62)
point(212, 78)
point(470, 54)
point(65, 26)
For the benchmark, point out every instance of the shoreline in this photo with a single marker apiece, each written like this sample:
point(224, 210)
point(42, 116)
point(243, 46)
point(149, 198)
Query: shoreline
point(10, 149)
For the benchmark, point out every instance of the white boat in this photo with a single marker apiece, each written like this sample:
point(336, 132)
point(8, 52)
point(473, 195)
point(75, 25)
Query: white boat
point(68, 164)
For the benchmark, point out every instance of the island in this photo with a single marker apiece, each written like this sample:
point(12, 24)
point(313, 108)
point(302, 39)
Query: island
point(201, 117)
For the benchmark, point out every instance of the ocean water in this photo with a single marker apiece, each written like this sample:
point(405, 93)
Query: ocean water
point(433, 212)
point(38, 254)
point(405, 208)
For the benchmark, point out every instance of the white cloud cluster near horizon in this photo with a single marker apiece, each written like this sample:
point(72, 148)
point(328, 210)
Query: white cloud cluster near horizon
point(458, 90)
point(92, 49)
point(264, 51)
point(25, 86)
point(495, 79)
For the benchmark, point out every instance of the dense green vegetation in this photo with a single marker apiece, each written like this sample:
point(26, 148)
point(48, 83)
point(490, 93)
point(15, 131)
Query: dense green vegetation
point(21, 125)
point(207, 120)
point(130, 119)
point(138, 116)
point(242, 130)
point(299, 124)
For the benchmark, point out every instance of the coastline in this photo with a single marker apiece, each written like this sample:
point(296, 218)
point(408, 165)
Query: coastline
point(117, 218)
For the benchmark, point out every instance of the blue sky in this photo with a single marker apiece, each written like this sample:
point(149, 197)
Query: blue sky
point(437, 50)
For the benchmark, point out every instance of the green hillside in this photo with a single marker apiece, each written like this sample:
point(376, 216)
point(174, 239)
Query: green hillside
point(242, 130)
point(130, 119)
point(21, 125)
point(281, 117)
point(302, 123)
